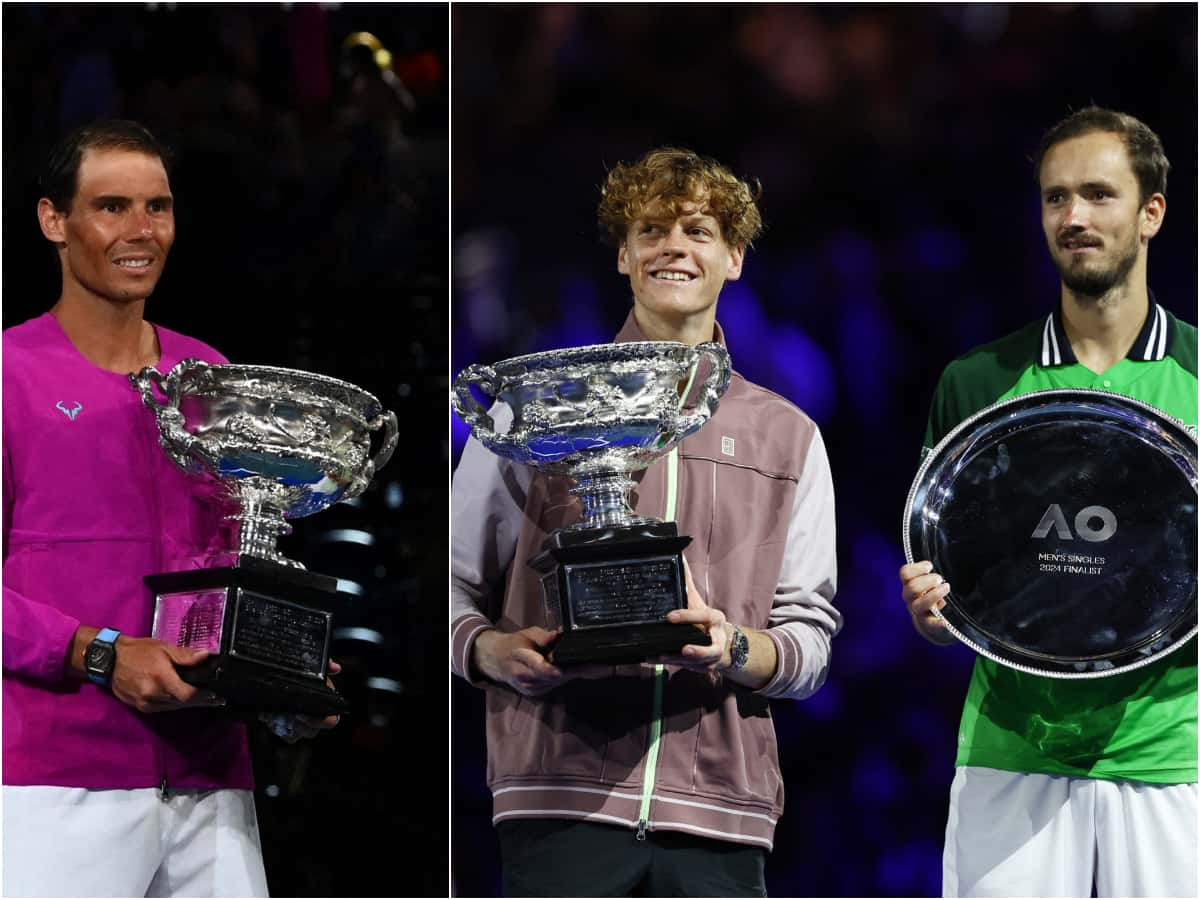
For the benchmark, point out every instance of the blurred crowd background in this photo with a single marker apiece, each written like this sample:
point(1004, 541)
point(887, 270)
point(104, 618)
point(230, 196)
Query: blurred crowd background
point(312, 190)
point(311, 195)
point(893, 143)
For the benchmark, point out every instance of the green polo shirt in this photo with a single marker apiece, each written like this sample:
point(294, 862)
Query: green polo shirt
point(1139, 725)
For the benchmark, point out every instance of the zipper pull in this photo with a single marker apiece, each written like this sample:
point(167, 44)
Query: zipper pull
point(162, 789)
point(641, 832)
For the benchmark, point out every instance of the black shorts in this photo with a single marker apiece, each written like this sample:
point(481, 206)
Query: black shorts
point(572, 858)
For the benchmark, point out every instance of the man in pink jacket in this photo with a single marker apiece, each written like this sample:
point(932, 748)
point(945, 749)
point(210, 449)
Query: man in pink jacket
point(108, 753)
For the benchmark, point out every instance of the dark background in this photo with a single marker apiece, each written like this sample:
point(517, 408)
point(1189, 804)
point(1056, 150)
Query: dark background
point(903, 228)
point(311, 202)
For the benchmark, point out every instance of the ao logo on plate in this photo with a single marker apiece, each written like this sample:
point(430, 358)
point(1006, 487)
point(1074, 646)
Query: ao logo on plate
point(1055, 519)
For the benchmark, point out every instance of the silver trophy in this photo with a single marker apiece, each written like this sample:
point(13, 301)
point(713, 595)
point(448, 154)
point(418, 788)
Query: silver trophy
point(276, 444)
point(597, 414)
point(1065, 522)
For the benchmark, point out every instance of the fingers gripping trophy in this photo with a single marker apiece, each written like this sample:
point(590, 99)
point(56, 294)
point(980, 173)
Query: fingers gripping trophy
point(279, 444)
point(598, 414)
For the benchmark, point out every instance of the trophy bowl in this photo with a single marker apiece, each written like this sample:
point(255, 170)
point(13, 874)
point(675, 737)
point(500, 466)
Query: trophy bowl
point(597, 414)
point(281, 443)
point(1065, 523)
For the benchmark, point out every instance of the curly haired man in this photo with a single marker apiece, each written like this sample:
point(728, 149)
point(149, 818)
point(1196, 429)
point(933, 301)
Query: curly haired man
point(659, 778)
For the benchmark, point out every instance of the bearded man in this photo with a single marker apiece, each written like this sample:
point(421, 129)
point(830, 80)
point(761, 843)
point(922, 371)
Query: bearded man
point(1063, 786)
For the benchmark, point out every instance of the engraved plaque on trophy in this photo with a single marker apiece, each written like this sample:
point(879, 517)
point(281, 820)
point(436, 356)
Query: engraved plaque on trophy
point(1065, 522)
point(278, 444)
point(596, 414)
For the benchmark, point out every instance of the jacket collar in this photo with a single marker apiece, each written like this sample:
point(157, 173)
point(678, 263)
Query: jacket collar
point(1152, 341)
point(631, 331)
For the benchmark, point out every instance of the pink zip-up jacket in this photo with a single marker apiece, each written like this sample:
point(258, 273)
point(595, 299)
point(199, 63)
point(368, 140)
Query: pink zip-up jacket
point(680, 750)
point(91, 504)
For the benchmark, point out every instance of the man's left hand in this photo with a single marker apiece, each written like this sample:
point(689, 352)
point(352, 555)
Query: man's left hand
point(699, 658)
point(298, 727)
point(761, 659)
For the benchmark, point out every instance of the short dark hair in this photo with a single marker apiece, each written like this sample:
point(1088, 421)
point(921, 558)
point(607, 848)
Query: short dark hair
point(61, 177)
point(1145, 150)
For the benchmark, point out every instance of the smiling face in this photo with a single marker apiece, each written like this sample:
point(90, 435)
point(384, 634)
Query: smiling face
point(114, 239)
point(676, 268)
point(1095, 225)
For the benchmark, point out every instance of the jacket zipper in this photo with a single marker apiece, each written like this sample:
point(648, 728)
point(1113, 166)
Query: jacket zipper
point(660, 672)
point(652, 753)
point(156, 506)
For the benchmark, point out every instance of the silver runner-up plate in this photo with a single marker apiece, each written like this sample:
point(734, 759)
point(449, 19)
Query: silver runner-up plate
point(1065, 522)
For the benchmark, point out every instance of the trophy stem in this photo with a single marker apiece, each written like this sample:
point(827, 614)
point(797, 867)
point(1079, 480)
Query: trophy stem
point(605, 497)
point(261, 528)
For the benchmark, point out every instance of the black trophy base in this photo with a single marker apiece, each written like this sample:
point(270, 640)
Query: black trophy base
point(250, 688)
point(618, 645)
point(610, 590)
point(267, 636)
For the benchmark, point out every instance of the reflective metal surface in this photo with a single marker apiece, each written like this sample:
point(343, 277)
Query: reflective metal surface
point(597, 413)
point(281, 443)
point(1065, 522)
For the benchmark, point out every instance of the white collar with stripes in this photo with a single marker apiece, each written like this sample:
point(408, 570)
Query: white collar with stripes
point(1151, 342)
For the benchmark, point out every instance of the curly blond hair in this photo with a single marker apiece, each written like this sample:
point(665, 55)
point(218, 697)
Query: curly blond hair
point(667, 179)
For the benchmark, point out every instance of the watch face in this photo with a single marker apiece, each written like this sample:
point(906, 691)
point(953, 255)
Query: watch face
point(99, 658)
point(739, 649)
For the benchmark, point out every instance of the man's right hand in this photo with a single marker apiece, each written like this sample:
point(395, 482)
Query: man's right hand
point(518, 659)
point(144, 675)
point(924, 590)
point(145, 678)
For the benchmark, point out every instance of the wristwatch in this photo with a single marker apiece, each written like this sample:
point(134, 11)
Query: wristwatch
point(101, 656)
point(739, 649)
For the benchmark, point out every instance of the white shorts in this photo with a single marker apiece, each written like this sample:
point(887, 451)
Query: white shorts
point(74, 842)
point(1013, 834)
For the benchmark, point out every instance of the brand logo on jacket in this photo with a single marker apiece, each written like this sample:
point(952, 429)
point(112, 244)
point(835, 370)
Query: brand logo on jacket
point(727, 445)
point(69, 413)
point(1085, 524)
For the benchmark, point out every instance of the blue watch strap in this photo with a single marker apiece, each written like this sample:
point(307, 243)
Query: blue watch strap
point(104, 636)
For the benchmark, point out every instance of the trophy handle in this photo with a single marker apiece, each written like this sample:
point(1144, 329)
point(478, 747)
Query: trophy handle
point(712, 389)
point(183, 448)
point(391, 435)
point(468, 408)
point(149, 378)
